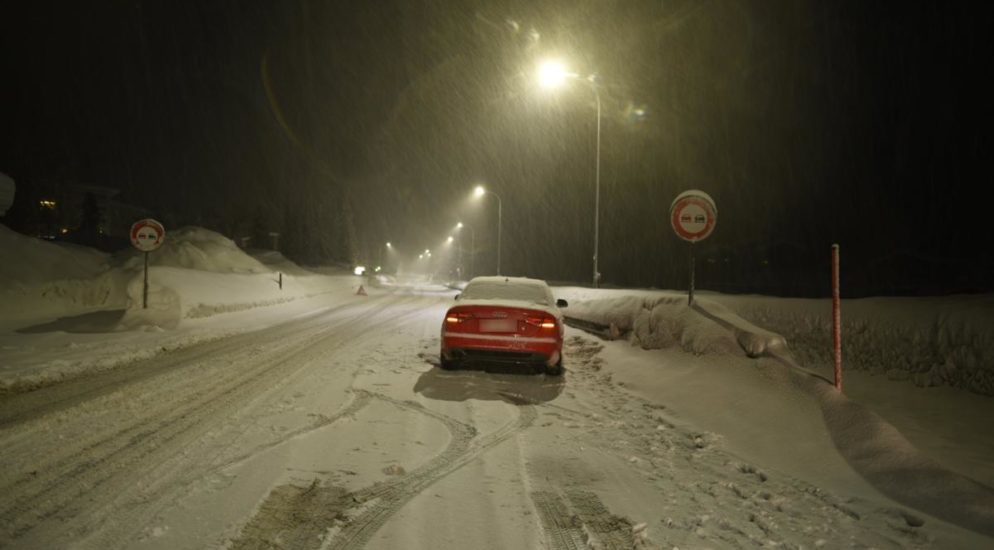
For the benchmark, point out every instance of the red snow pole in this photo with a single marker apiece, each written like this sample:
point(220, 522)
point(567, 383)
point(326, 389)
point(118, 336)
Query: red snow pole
point(836, 318)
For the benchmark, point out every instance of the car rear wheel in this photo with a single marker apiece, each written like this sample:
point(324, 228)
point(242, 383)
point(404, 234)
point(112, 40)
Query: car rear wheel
point(555, 370)
point(447, 364)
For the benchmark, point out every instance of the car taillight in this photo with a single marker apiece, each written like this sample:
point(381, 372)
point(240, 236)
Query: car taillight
point(541, 322)
point(458, 317)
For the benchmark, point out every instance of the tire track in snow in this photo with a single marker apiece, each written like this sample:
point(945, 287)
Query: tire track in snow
point(167, 494)
point(106, 467)
point(557, 522)
point(580, 522)
point(31, 407)
point(608, 531)
point(380, 502)
point(167, 487)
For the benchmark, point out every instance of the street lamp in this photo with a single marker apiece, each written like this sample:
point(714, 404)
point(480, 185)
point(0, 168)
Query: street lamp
point(552, 74)
point(389, 248)
point(452, 260)
point(479, 192)
point(472, 246)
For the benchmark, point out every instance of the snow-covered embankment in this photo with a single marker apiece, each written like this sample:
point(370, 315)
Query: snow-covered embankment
point(871, 445)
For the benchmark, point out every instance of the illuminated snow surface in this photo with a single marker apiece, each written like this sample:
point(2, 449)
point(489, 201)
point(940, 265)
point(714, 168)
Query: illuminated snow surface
point(713, 426)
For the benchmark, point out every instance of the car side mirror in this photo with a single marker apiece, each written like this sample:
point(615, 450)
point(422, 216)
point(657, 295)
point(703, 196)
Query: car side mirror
point(561, 303)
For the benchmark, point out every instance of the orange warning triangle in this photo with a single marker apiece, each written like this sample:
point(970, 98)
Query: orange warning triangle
point(361, 291)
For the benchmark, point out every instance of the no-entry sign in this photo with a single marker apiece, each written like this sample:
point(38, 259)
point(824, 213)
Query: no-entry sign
point(147, 234)
point(693, 215)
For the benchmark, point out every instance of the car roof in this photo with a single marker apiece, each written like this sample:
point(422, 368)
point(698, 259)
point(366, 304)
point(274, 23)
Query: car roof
point(508, 280)
point(519, 289)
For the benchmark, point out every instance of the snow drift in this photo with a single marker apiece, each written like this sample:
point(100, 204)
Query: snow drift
point(198, 249)
point(196, 273)
point(872, 446)
point(664, 321)
point(935, 341)
point(39, 278)
point(69, 310)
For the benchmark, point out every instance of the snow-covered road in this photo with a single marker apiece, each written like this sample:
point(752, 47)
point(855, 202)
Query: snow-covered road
point(336, 429)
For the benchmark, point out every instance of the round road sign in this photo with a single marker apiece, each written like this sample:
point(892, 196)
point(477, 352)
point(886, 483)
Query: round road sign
point(693, 215)
point(147, 234)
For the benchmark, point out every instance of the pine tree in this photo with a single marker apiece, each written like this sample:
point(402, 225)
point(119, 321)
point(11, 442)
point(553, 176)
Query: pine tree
point(91, 218)
point(260, 230)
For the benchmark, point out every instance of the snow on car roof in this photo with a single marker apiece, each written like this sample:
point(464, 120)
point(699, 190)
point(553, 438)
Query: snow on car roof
point(508, 288)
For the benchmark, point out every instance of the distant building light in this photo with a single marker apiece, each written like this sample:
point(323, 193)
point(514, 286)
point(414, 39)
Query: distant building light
point(65, 231)
point(46, 204)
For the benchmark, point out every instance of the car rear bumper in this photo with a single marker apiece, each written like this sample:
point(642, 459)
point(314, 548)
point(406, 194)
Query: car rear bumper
point(500, 350)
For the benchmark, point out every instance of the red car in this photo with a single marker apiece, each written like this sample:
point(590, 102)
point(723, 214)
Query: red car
point(504, 321)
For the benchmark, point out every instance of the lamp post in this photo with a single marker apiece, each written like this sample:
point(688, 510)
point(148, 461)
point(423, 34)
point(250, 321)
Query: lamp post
point(552, 74)
point(448, 244)
point(472, 247)
point(479, 192)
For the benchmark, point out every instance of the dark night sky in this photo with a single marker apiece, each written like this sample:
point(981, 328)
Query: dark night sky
point(863, 123)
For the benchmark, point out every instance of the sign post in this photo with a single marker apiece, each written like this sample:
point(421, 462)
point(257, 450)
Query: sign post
point(836, 318)
point(147, 235)
point(693, 216)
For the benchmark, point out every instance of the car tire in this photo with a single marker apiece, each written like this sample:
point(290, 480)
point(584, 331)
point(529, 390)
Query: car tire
point(555, 370)
point(447, 364)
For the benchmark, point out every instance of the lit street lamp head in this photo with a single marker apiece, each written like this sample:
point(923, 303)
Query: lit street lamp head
point(479, 191)
point(552, 73)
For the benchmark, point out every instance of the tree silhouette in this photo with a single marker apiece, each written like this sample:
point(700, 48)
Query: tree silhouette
point(91, 219)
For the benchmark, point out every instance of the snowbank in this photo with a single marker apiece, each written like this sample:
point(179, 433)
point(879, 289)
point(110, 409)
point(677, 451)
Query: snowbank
point(199, 249)
point(927, 341)
point(199, 273)
point(69, 310)
point(881, 332)
point(196, 273)
point(176, 293)
point(276, 261)
point(29, 261)
point(664, 321)
point(40, 278)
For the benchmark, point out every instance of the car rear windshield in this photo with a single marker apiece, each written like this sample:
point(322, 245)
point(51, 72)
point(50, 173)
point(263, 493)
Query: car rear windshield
point(487, 290)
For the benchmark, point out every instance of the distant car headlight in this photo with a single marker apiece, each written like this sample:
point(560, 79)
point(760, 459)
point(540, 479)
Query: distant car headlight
point(359, 270)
